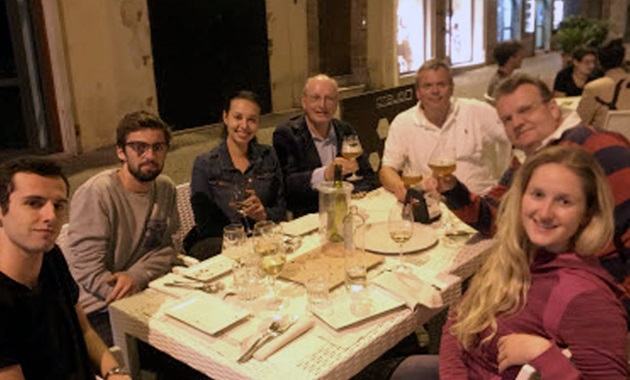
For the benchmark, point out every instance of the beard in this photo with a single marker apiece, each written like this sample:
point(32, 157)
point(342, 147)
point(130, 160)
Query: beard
point(148, 175)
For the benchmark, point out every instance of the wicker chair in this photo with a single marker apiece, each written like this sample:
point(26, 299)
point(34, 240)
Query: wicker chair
point(186, 216)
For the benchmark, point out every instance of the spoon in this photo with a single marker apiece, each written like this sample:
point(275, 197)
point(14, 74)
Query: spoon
point(214, 287)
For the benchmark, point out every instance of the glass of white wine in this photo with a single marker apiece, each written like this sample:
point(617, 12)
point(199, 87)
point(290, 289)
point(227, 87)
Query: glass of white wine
point(351, 149)
point(443, 159)
point(269, 248)
point(400, 226)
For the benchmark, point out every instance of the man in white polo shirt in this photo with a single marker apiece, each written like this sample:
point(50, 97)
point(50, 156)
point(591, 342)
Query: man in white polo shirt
point(469, 127)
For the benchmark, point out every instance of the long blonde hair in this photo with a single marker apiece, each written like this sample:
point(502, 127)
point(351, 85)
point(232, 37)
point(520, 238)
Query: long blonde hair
point(501, 285)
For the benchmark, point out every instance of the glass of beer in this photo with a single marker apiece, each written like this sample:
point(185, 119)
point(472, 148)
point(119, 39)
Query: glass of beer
point(410, 176)
point(351, 149)
point(443, 161)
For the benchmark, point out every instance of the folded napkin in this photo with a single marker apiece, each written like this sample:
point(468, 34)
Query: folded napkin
point(277, 343)
point(417, 286)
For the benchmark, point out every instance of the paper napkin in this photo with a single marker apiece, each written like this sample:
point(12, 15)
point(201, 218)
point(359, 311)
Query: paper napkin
point(277, 343)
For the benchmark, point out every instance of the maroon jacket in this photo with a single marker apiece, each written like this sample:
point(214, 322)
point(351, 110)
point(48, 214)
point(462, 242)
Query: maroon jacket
point(572, 301)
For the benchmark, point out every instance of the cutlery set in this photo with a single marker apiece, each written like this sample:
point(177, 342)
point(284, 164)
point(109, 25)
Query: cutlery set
point(275, 329)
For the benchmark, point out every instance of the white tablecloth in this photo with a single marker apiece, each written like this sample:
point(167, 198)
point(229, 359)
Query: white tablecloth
point(320, 353)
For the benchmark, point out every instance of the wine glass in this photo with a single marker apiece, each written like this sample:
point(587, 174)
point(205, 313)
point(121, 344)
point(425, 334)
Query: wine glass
point(270, 250)
point(239, 197)
point(400, 226)
point(410, 175)
point(443, 160)
point(351, 149)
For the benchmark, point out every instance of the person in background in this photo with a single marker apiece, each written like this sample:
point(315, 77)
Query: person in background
point(239, 172)
point(309, 147)
point(472, 128)
point(571, 80)
point(509, 57)
point(44, 332)
point(122, 221)
point(542, 290)
point(609, 93)
point(533, 120)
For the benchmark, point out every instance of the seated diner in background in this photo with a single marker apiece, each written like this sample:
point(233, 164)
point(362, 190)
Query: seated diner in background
point(609, 93)
point(541, 290)
point(509, 57)
point(533, 120)
point(239, 181)
point(310, 145)
point(571, 80)
point(468, 128)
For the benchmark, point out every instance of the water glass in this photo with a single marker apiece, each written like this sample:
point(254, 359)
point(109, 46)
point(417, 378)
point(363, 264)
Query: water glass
point(247, 279)
point(317, 291)
point(234, 239)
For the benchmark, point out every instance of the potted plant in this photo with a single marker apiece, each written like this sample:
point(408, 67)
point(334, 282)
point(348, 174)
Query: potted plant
point(578, 30)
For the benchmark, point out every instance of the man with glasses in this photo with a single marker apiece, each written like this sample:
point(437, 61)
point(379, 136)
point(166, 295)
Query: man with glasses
point(533, 120)
point(122, 221)
point(309, 146)
point(470, 128)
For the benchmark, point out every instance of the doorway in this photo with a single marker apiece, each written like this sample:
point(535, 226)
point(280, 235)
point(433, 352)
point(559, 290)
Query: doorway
point(205, 50)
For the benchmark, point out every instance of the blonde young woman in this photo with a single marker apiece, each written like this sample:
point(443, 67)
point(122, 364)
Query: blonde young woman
point(542, 289)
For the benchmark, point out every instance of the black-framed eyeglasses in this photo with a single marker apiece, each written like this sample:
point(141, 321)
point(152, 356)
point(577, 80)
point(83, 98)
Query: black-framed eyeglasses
point(141, 147)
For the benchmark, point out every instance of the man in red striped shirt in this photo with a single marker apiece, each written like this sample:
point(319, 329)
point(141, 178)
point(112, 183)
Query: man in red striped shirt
point(533, 120)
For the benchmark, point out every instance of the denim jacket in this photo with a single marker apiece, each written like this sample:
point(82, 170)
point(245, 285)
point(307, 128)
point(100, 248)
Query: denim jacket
point(214, 178)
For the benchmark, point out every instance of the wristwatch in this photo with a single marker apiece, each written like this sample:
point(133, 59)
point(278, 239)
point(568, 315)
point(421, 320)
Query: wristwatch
point(116, 371)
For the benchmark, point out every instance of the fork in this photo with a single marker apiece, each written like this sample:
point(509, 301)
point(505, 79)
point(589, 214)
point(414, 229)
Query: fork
point(274, 330)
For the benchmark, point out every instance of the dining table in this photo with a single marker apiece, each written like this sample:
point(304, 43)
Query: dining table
point(322, 349)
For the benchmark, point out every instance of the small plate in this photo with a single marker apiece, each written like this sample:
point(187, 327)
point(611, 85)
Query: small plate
point(377, 239)
point(206, 313)
point(346, 313)
point(210, 269)
point(302, 225)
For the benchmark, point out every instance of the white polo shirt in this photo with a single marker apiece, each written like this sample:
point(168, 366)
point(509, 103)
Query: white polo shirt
point(482, 148)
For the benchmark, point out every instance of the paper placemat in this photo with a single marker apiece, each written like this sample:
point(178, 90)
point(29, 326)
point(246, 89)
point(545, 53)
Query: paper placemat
point(300, 268)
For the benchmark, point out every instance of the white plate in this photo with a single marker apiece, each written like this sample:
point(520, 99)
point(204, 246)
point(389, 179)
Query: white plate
point(302, 225)
point(209, 269)
point(343, 312)
point(206, 313)
point(377, 239)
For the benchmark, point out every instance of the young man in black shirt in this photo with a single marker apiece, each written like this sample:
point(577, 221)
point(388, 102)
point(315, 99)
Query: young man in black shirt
point(44, 334)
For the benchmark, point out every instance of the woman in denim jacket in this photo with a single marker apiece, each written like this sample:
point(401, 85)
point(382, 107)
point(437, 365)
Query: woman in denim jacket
point(239, 170)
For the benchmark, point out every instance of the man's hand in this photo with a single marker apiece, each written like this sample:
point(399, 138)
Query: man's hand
point(347, 167)
point(123, 286)
point(255, 208)
point(519, 349)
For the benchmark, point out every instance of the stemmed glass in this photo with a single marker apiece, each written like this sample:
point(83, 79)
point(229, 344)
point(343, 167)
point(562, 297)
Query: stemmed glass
point(443, 159)
point(234, 239)
point(351, 149)
point(400, 226)
point(269, 248)
point(239, 196)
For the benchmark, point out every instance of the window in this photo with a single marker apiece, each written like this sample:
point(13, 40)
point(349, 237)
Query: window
point(411, 35)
